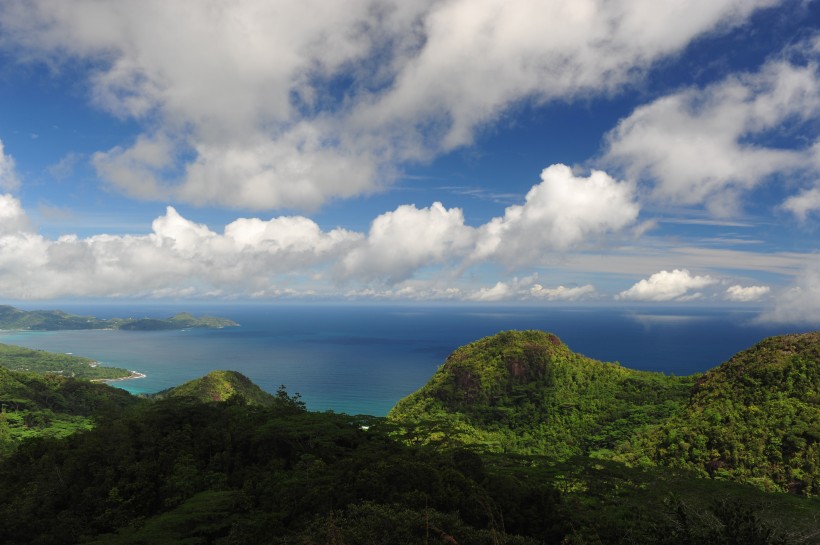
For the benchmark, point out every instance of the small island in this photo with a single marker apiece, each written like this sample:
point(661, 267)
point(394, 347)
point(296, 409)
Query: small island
point(12, 318)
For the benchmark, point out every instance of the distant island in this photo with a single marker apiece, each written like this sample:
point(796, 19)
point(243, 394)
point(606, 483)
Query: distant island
point(12, 318)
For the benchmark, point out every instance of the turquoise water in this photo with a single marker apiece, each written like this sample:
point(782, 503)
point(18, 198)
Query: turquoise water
point(363, 359)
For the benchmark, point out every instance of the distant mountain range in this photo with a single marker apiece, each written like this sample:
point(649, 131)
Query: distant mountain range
point(56, 320)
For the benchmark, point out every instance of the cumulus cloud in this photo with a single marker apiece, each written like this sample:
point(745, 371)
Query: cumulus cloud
point(498, 292)
point(562, 293)
point(13, 218)
point(242, 103)
point(293, 254)
point(746, 294)
point(667, 286)
point(527, 288)
point(560, 212)
point(700, 145)
point(408, 238)
point(179, 257)
point(8, 176)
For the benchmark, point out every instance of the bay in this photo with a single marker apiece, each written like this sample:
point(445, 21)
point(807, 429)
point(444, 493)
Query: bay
point(363, 359)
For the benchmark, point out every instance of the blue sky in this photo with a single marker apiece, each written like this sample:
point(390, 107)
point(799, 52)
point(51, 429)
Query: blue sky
point(532, 152)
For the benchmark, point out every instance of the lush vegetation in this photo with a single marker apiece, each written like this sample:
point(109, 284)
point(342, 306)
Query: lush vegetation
point(756, 418)
point(525, 392)
point(515, 440)
point(34, 405)
point(54, 320)
point(18, 358)
point(223, 386)
point(231, 473)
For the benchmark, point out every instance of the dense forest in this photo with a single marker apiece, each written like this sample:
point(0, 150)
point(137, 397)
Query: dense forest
point(515, 440)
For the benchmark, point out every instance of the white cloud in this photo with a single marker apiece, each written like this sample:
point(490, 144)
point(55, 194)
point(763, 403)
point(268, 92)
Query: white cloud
point(8, 176)
point(800, 303)
point(698, 146)
point(803, 204)
point(667, 286)
point(527, 288)
point(498, 292)
point(562, 211)
point(242, 103)
point(562, 293)
point(746, 294)
point(402, 241)
point(12, 216)
point(178, 257)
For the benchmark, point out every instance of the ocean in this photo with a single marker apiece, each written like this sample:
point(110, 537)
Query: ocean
point(361, 359)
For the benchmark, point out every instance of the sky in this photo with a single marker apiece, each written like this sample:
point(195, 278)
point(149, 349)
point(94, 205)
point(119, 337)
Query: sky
point(548, 152)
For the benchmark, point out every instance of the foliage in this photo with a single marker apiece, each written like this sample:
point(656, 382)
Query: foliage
point(515, 440)
point(49, 405)
point(525, 392)
point(177, 470)
point(755, 419)
point(225, 385)
point(18, 358)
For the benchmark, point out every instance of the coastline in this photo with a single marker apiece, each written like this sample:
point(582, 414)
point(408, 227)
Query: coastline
point(132, 376)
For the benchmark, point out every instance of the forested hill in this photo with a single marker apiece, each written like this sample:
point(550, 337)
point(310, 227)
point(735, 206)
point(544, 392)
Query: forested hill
point(755, 418)
point(205, 464)
point(526, 392)
point(56, 320)
point(222, 386)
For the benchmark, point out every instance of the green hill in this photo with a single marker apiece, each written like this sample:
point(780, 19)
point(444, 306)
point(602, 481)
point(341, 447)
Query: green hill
point(547, 435)
point(221, 386)
point(55, 320)
point(34, 405)
point(755, 418)
point(18, 358)
point(526, 392)
point(46, 320)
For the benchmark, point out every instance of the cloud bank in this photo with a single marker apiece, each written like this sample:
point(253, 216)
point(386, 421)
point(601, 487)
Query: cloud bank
point(264, 105)
point(253, 257)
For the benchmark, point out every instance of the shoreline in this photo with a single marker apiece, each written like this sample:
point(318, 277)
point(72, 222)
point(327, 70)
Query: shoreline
point(132, 376)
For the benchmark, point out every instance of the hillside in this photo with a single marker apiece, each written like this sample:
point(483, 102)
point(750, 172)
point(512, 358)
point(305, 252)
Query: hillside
point(33, 405)
point(526, 392)
point(221, 386)
point(56, 320)
point(183, 320)
point(18, 358)
point(755, 418)
point(208, 462)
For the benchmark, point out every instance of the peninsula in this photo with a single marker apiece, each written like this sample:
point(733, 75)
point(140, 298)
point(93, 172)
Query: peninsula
point(12, 318)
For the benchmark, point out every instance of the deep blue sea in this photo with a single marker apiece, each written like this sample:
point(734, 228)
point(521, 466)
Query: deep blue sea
point(363, 359)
